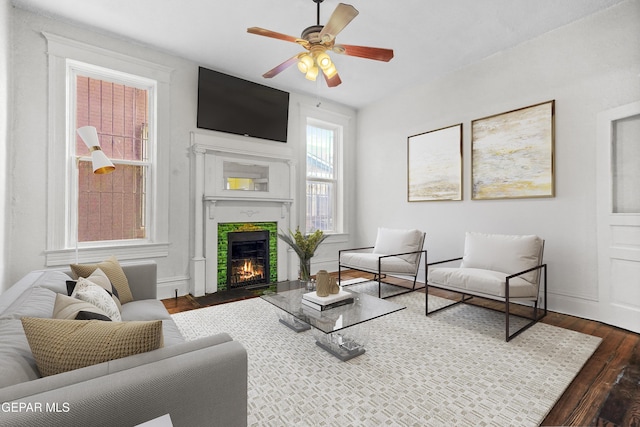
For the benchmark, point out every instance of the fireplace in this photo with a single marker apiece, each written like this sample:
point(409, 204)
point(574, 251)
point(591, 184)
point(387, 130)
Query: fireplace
point(247, 254)
point(219, 209)
point(247, 258)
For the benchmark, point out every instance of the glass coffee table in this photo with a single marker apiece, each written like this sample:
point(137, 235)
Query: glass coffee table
point(331, 323)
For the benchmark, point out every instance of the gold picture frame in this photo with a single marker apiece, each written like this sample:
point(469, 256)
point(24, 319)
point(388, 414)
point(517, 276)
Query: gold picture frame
point(512, 154)
point(434, 165)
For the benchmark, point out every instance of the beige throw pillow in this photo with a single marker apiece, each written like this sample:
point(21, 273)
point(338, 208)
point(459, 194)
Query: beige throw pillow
point(111, 267)
point(64, 345)
point(71, 308)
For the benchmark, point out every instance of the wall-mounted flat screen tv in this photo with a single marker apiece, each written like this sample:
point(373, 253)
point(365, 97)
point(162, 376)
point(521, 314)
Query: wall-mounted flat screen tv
point(233, 105)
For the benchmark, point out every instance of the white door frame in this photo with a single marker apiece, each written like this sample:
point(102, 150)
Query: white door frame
point(618, 235)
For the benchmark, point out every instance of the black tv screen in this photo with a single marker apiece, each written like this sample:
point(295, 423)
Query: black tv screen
point(233, 105)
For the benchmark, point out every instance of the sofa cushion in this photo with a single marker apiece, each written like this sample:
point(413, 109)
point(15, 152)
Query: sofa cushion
point(15, 301)
point(487, 282)
point(63, 345)
point(72, 308)
point(395, 241)
point(113, 270)
point(34, 302)
point(148, 309)
point(505, 253)
point(98, 296)
point(17, 364)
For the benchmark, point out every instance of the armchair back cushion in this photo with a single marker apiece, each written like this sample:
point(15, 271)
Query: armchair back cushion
point(395, 241)
point(505, 253)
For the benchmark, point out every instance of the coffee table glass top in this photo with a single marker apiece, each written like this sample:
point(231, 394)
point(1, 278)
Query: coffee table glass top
point(287, 296)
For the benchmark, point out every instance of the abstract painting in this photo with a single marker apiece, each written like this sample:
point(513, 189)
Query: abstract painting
point(512, 154)
point(435, 165)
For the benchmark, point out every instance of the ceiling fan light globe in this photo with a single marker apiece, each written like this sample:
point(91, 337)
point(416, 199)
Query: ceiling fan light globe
point(312, 73)
point(305, 63)
point(323, 60)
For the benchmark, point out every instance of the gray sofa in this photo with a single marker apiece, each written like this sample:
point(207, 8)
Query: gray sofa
point(198, 383)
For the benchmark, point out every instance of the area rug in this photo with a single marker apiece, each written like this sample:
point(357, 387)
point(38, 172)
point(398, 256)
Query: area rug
point(449, 369)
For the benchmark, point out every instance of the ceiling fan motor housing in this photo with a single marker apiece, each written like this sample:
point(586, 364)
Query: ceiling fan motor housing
point(312, 34)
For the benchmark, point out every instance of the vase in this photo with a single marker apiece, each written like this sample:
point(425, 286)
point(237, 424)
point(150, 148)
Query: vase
point(333, 286)
point(323, 283)
point(304, 274)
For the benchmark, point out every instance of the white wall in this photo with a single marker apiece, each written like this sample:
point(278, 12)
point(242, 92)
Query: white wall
point(28, 168)
point(587, 67)
point(5, 55)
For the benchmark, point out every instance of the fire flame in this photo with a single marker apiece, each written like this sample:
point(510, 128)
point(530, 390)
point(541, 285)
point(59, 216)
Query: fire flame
point(248, 271)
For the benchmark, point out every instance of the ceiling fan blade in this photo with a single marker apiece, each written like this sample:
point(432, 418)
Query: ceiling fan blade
point(377, 53)
point(333, 81)
point(341, 16)
point(280, 68)
point(268, 33)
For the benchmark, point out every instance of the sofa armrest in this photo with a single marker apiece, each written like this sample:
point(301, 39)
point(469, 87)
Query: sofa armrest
point(202, 382)
point(143, 279)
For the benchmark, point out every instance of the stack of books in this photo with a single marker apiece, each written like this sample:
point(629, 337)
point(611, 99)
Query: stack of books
point(312, 300)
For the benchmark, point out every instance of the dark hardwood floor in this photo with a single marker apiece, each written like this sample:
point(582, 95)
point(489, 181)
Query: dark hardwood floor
point(605, 393)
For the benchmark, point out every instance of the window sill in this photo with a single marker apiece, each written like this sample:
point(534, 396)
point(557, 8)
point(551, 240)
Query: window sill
point(60, 257)
point(337, 238)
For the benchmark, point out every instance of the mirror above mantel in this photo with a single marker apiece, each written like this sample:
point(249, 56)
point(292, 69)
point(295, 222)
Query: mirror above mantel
point(240, 176)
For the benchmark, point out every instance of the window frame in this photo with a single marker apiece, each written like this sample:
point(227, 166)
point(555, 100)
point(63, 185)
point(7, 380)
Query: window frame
point(62, 170)
point(338, 136)
point(75, 69)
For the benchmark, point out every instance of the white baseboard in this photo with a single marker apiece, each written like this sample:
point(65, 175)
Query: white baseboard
point(584, 308)
point(167, 287)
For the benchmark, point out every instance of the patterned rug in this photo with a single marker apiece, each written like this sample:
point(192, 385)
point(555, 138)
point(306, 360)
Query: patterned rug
point(450, 369)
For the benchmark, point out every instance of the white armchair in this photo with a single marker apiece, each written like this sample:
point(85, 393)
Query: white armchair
point(504, 268)
point(396, 252)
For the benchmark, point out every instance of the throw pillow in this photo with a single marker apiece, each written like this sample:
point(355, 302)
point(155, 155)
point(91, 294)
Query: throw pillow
point(64, 345)
point(88, 291)
point(111, 267)
point(71, 308)
point(99, 278)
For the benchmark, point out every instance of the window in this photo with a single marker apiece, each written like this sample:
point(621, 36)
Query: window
point(127, 99)
point(323, 177)
point(111, 207)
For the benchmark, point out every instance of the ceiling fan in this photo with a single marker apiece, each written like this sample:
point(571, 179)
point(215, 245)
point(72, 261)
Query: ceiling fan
point(317, 40)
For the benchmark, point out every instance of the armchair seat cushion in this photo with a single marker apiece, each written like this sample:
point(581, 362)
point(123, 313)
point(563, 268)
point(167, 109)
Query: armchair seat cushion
point(490, 283)
point(369, 262)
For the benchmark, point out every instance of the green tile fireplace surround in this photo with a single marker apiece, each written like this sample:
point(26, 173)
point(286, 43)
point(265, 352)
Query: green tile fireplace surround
point(230, 227)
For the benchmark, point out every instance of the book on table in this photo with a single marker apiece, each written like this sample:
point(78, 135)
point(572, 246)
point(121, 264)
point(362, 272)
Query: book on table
point(311, 299)
point(324, 307)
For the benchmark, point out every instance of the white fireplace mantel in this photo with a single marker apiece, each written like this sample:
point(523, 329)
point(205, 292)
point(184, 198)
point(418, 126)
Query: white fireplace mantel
point(212, 201)
point(215, 203)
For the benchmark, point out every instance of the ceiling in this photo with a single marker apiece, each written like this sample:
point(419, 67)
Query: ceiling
point(430, 38)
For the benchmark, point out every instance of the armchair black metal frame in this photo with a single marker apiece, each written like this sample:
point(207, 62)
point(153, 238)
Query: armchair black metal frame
point(467, 295)
point(380, 273)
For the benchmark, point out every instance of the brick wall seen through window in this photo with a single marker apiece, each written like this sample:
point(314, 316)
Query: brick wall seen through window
point(112, 207)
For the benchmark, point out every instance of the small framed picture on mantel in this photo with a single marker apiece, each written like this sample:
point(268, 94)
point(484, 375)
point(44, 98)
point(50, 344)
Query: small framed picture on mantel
point(434, 165)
